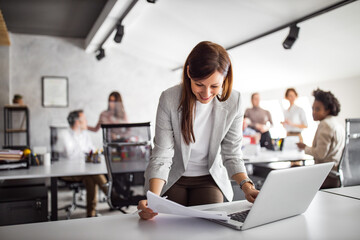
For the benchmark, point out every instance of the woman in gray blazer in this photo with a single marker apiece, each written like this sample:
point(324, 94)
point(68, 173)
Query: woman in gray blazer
point(198, 134)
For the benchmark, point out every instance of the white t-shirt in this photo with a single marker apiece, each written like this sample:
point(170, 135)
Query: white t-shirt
point(76, 143)
point(203, 123)
point(295, 115)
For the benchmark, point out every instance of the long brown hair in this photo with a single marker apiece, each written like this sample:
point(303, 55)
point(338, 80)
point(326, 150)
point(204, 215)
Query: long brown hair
point(205, 58)
point(119, 107)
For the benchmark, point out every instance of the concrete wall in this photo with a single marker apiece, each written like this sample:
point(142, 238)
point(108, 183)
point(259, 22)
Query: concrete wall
point(90, 81)
point(4, 86)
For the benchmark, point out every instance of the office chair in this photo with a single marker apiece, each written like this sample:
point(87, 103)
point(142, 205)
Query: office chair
point(127, 150)
point(74, 186)
point(349, 166)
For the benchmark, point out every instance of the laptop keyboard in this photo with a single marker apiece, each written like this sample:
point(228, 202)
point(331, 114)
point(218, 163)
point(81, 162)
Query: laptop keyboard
point(239, 216)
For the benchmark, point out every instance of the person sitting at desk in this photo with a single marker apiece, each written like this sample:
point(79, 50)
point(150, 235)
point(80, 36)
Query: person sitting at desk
point(76, 143)
point(259, 119)
point(114, 114)
point(295, 119)
point(198, 132)
point(329, 140)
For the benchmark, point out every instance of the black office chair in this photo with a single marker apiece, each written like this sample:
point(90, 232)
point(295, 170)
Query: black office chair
point(127, 150)
point(349, 166)
point(77, 188)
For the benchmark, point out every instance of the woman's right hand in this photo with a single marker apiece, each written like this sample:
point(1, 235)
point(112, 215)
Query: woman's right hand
point(145, 213)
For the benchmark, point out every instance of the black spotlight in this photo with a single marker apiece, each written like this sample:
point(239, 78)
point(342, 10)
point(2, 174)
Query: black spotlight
point(291, 38)
point(119, 33)
point(151, 1)
point(100, 54)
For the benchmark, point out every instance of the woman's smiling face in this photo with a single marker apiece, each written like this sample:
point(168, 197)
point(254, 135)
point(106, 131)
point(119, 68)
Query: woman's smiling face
point(206, 89)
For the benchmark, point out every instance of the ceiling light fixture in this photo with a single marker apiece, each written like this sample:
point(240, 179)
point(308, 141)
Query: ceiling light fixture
point(100, 54)
point(119, 33)
point(291, 38)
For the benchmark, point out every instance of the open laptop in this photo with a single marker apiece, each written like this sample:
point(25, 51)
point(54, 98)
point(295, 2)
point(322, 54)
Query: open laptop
point(285, 193)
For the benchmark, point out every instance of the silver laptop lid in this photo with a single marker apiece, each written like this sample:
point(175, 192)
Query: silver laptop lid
point(286, 193)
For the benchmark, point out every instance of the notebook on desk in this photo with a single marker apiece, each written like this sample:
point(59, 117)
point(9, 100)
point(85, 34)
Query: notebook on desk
point(285, 193)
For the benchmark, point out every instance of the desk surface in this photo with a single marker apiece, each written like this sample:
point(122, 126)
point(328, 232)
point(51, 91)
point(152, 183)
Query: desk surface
point(59, 168)
point(276, 156)
point(71, 167)
point(352, 192)
point(328, 217)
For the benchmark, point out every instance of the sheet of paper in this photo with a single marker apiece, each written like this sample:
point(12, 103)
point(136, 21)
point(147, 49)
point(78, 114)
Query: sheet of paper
point(163, 205)
point(290, 143)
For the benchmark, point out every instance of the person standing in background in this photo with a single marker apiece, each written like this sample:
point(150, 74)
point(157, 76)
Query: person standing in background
point(114, 114)
point(259, 121)
point(329, 140)
point(295, 118)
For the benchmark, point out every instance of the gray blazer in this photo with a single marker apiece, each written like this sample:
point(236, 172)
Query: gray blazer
point(170, 154)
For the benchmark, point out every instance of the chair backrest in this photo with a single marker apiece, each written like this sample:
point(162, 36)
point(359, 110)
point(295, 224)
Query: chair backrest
point(350, 161)
point(127, 149)
point(55, 135)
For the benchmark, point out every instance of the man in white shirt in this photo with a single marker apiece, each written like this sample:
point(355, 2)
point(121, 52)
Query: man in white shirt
point(76, 143)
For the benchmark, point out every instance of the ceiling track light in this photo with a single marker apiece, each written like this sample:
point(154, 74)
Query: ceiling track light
point(119, 33)
point(100, 54)
point(292, 36)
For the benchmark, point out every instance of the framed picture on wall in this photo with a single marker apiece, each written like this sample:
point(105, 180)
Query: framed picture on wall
point(55, 91)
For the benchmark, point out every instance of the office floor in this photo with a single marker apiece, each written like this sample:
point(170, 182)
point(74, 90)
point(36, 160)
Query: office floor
point(65, 198)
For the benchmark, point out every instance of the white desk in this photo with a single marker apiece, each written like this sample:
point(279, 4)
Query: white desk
point(351, 192)
point(276, 156)
point(61, 168)
point(328, 217)
point(67, 167)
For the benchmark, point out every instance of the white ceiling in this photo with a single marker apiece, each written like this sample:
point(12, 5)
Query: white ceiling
point(328, 46)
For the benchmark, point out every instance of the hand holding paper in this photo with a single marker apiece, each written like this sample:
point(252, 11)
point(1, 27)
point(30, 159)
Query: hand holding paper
point(163, 205)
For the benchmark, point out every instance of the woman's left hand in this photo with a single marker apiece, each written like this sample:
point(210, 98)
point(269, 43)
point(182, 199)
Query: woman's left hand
point(250, 192)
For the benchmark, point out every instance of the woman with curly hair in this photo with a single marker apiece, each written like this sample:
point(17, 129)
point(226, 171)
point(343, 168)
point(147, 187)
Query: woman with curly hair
point(329, 140)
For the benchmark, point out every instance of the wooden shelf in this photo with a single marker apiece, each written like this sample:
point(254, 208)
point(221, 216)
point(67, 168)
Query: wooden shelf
point(15, 130)
point(16, 107)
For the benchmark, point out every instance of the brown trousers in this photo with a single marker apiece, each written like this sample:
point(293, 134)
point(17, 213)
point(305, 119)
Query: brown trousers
point(91, 182)
point(191, 191)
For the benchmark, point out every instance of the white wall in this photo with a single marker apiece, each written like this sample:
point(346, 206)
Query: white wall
point(90, 81)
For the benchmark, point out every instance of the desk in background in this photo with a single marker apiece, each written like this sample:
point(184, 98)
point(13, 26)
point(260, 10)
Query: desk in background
point(351, 192)
point(276, 156)
point(64, 168)
point(61, 168)
point(328, 217)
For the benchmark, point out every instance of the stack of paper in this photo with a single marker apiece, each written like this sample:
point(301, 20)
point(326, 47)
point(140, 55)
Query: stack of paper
point(11, 155)
point(163, 205)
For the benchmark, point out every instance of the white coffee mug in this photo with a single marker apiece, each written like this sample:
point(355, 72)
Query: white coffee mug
point(47, 159)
